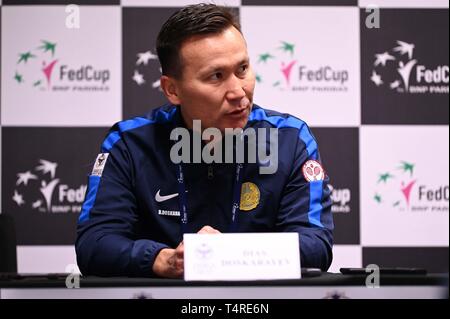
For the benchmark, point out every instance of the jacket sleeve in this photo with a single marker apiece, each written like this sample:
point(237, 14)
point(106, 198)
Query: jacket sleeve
point(106, 242)
point(305, 206)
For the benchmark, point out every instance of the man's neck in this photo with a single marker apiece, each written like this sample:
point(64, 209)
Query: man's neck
point(199, 129)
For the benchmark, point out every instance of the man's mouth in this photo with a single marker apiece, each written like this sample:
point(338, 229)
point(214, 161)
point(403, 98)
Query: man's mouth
point(238, 112)
point(243, 107)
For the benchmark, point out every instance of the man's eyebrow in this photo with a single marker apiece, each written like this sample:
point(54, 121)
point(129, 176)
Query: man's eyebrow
point(212, 69)
point(245, 60)
point(220, 67)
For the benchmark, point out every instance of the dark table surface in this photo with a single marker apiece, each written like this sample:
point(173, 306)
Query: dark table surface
point(323, 279)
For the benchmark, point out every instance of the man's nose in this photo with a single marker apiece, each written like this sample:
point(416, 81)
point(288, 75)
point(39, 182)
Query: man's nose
point(235, 88)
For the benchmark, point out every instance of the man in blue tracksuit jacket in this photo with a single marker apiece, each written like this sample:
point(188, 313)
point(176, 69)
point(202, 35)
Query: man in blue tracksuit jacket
point(134, 215)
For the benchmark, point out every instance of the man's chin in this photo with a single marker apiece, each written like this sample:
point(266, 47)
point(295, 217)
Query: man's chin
point(238, 122)
point(235, 125)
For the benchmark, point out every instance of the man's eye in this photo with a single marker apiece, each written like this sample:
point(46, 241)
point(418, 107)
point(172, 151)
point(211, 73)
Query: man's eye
point(243, 68)
point(216, 76)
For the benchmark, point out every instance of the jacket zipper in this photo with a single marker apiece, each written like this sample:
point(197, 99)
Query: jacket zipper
point(210, 172)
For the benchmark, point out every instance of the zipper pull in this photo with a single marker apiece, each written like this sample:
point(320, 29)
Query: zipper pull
point(210, 172)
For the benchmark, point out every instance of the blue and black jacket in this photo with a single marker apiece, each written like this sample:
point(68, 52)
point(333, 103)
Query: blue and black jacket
point(131, 209)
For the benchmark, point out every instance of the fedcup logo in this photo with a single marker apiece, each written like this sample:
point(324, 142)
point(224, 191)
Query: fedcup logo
point(38, 188)
point(260, 148)
point(405, 186)
point(280, 68)
point(283, 56)
point(398, 70)
point(43, 54)
point(401, 189)
point(40, 67)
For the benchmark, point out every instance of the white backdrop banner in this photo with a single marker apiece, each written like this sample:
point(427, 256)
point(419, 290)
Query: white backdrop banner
point(55, 75)
point(404, 186)
point(305, 61)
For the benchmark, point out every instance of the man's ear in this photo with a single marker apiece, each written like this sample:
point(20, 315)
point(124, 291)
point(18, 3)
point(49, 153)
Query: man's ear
point(169, 88)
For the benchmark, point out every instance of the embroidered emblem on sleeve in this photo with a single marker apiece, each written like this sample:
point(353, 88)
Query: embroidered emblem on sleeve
point(99, 164)
point(313, 171)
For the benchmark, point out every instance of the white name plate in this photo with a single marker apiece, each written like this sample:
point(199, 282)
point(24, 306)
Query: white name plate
point(241, 256)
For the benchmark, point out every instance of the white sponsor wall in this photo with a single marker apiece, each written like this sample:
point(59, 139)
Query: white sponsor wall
point(45, 259)
point(175, 3)
point(54, 75)
point(305, 61)
point(404, 186)
point(63, 87)
point(404, 4)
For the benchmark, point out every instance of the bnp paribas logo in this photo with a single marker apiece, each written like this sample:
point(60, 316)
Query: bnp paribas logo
point(400, 189)
point(282, 68)
point(41, 67)
point(147, 60)
point(398, 69)
point(39, 189)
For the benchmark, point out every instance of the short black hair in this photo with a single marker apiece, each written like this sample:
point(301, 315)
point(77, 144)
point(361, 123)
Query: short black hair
point(198, 19)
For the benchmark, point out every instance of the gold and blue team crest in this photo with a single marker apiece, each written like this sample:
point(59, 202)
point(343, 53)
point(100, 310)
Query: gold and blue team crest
point(249, 196)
